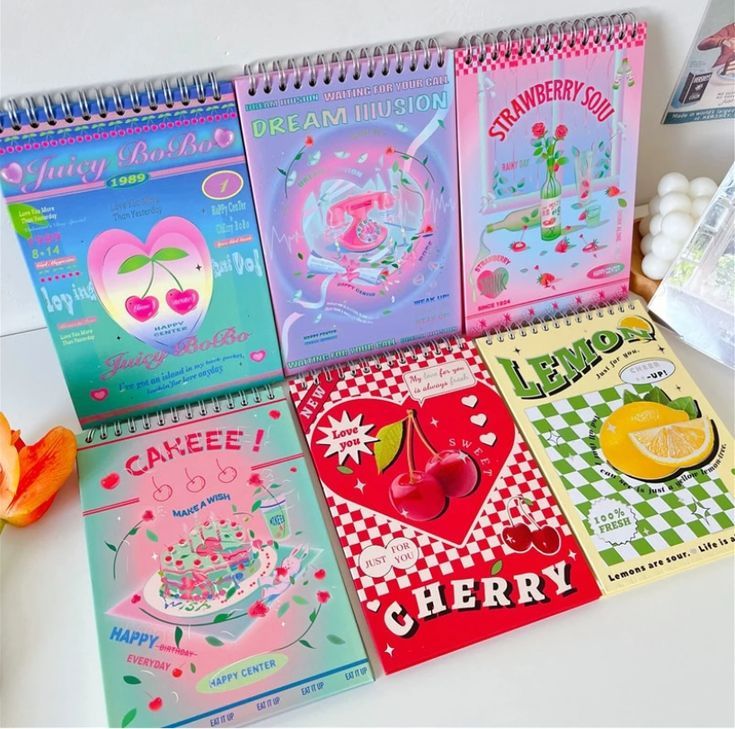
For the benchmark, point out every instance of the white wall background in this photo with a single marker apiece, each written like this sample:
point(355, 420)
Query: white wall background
point(47, 45)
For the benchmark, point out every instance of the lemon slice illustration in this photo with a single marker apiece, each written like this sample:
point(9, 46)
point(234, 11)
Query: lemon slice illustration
point(680, 445)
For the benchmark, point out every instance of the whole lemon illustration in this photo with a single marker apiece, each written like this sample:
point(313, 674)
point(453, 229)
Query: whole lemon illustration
point(621, 451)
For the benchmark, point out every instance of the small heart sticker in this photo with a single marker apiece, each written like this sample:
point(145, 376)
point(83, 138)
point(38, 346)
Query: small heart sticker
point(99, 394)
point(258, 355)
point(223, 138)
point(275, 414)
point(469, 400)
point(373, 606)
point(13, 173)
point(488, 438)
point(479, 419)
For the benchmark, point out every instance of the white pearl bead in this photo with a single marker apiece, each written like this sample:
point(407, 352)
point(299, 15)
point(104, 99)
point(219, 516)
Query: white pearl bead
point(673, 182)
point(702, 187)
point(654, 267)
point(665, 248)
point(643, 227)
point(675, 201)
point(654, 224)
point(654, 206)
point(677, 225)
point(646, 244)
point(699, 205)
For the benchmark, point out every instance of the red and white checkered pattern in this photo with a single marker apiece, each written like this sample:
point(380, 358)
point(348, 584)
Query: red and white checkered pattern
point(507, 54)
point(359, 527)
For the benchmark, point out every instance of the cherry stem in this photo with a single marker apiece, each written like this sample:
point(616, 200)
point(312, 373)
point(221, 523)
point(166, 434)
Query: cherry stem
point(170, 273)
point(119, 546)
point(525, 512)
point(420, 433)
point(150, 281)
point(409, 446)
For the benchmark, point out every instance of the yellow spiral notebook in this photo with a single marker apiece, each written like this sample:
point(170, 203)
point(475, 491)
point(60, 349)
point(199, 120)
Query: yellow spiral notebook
point(635, 454)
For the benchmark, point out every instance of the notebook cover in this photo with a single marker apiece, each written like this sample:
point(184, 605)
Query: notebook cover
point(548, 146)
point(435, 573)
point(578, 389)
point(217, 595)
point(140, 238)
point(356, 188)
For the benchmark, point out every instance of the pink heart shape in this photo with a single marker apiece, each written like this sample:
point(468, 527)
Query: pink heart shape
point(133, 280)
point(223, 137)
point(258, 355)
point(492, 283)
point(99, 394)
point(141, 309)
point(182, 301)
point(13, 173)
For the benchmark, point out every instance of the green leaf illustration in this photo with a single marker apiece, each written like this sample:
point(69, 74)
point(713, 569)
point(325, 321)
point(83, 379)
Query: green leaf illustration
point(178, 635)
point(563, 160)
point(312, 616)
point(629, 397)
point(388, 445)
point(440, 122)
point(230, 592)
point(306, 643)
point(686, 404)
point(332, 638)
point(132, 680)
point(283, 172)
point(192, 668)
point(656, 394)
point(133, 263)
point(221, 617)
point(128, 718)
point(255, 506)
point(299, 600)
point(275, 545)
point(21, 215)
point(216, 642)
point(151, 535)
point(169, 254)
point(345, 469)
point(622, 203)
point(133, 531)
point(111, 546)
point(283, 609)
point(496, 567)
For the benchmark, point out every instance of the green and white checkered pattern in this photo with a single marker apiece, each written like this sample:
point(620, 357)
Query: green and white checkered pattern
point(668, 514)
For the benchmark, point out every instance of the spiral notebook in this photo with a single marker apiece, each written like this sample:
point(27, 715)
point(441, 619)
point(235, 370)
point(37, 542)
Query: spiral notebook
point(135, 217)
point(217, 596)
point(354, 168)
point(548, 140)
point(633, 451)
point(450, 532)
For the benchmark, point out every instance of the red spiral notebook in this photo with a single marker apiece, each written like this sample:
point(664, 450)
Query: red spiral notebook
point(450, 532)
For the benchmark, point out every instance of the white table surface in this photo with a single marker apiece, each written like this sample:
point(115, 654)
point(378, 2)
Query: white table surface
point(659, 655)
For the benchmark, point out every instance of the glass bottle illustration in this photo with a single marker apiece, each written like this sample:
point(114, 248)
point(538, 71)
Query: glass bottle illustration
point(546, 147)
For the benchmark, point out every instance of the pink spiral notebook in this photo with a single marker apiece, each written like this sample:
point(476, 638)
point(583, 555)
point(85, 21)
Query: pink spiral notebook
point(548, 141)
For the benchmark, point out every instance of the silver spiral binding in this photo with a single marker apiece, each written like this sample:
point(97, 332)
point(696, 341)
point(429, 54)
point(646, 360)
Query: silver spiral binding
point(132, 98)
point(338, 66)
point(557, 321)
point(548, 37)
point(188, 411)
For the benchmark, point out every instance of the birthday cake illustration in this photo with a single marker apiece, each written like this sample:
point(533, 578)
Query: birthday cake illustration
point(217, 556)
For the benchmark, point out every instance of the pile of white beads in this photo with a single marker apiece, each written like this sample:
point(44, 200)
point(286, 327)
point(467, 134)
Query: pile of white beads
point(672, 215)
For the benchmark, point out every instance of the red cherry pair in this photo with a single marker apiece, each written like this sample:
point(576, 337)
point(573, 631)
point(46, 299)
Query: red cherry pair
point(424, 495)
point(525, 533)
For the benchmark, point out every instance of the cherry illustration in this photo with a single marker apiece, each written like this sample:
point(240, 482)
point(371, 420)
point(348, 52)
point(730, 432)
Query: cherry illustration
point(141, 308)
point(195, 483)
point(546, 539)
point(456, 472)
point(156, 704)
point(182, 301)
point(226, 474)
point(177, 672)
point(417, 496)
point(519, 245)
point(162, 492)
point(110, 481)
point(517, 537)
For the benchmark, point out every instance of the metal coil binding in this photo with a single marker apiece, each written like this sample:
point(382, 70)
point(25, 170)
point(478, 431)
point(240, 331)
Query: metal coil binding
point(557, 321)
point(133, 97)
point(340, 65)
point(547, 37)
point(188, 411)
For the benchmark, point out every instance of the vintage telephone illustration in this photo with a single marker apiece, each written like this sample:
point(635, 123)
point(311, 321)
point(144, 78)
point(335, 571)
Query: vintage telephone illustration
point(363, 234)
